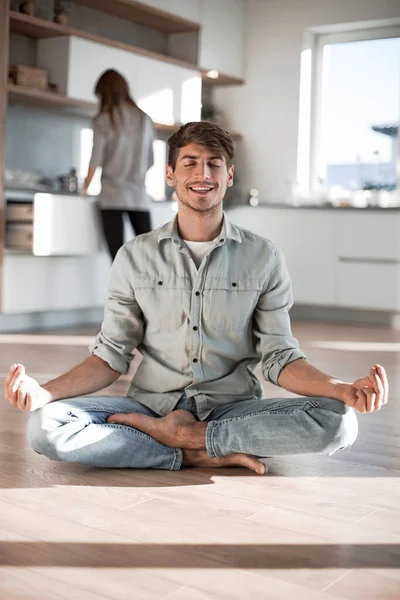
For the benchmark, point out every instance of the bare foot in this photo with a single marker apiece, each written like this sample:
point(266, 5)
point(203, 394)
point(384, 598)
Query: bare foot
point(179, 429)
point(200, 458)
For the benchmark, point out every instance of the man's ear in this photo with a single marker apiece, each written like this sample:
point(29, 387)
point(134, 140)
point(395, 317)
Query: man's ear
point(170, 176)
point(231, 173)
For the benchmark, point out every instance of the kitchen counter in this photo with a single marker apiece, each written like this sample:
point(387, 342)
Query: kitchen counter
point(326, 207)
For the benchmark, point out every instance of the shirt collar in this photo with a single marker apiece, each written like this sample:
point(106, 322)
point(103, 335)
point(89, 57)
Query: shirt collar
point(169, 231)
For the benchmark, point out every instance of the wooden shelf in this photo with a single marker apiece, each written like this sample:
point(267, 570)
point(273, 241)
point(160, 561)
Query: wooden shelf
point(17, 94)
point(40, 29)
point(221, 80)
point(142, 14)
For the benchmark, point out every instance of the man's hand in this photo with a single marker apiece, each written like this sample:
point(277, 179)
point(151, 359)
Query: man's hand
point(24, 392)
point(367, 394)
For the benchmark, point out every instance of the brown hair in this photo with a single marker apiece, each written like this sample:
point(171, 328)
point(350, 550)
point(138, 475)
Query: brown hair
point(205, 134)
point(113, 91)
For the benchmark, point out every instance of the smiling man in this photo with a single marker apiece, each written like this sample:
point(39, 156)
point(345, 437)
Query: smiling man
point(203, 301)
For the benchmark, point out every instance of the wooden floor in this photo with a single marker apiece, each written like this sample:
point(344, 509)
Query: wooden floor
point(311, 529)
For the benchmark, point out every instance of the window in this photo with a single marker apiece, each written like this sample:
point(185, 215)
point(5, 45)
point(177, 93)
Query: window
point(349, 116)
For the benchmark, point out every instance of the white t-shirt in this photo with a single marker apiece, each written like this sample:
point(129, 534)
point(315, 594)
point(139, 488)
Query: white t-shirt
point(198, 250)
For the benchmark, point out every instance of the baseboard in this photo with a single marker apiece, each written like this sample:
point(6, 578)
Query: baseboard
point(21, 322)
point(345, 316)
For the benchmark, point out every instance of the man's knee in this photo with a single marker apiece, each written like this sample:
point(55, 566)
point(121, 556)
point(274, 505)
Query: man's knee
point(341, 430)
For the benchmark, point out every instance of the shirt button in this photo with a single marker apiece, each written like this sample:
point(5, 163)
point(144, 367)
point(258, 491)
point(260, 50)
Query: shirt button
point(160, 283)
point(176, 241)
point(234, 284)
point(222, 241)
point(195, 328)
point(197, 293)
point(195, 360)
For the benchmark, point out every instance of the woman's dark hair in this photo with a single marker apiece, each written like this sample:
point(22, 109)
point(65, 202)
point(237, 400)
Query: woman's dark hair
point(113, 91)
point(207, 134)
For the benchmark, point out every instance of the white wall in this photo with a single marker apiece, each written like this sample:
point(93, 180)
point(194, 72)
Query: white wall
point(187, 9)
point(265, 110)
point(221, 36)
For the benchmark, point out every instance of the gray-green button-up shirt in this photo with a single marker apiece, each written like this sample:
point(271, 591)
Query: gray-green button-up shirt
point(200, 331)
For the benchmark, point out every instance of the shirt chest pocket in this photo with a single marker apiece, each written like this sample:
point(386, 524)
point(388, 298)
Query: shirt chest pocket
point(164, 301)
point(229, 304)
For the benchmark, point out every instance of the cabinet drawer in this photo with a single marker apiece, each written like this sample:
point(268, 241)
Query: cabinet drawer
point(19, 212)
point(372, 286)
point(370, 235)
point(20, 237)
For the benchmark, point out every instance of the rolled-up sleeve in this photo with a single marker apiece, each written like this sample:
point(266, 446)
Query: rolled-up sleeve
point(99, 145)
point(122, 327)
point(275, 343)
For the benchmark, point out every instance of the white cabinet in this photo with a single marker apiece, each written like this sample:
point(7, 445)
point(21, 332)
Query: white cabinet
point(167, 92)
point(222, 36)
point(38, 284)
point(186, 9)
point(368, 285)
point(309, 242)
point(373, 234)
point(338, 258)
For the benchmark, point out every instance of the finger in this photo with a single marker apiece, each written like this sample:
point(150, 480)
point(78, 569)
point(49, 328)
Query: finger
point(16, 380)
point(373, 376)
point(383, 377)
point(21, 397)
point(380, 392)
point(364, 382)
point(7, 382)
point(371, 398)
point(29, 401)
point(361, 402)
point(10, 375)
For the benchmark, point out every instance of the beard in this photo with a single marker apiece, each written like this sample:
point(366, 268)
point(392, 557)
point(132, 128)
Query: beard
point(205, 207)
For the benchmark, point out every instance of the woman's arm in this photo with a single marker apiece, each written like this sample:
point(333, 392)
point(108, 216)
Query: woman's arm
point(88, 180)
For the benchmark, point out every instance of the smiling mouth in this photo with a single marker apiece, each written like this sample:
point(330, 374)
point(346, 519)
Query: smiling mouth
point(201, 189)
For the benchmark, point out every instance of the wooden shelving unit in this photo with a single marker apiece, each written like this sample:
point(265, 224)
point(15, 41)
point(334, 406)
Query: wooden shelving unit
point(40, 29)
point(142, 14)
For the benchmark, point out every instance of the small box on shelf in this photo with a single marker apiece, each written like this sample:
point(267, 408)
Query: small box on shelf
point(29, 76)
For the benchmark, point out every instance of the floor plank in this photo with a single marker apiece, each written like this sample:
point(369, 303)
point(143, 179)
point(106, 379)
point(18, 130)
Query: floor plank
point(313, 528)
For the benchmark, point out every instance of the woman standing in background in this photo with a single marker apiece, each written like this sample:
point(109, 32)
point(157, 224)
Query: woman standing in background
point(123, 146)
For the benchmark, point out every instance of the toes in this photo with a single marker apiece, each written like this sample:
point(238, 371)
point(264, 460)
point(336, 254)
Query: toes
point(114, 419)
point(255, 465)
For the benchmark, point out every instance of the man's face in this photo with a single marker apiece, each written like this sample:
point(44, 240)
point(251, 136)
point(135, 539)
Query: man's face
point(200, 178)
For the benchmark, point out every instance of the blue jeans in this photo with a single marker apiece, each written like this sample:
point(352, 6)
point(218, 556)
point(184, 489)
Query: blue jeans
point(76, 430)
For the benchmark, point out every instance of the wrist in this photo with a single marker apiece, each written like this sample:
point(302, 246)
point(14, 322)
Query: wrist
point(339, 389)
point(47, 393)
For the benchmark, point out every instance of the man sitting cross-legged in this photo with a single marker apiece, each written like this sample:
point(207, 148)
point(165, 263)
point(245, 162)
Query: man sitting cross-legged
point(203, 301)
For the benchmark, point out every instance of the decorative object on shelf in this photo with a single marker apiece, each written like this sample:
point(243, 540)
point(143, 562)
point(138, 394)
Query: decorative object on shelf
point(28, 76)
point(54, 87)
point(61, 8)
point(44, 9)
point(209, 112)
point(69, 182)
point(27, 7)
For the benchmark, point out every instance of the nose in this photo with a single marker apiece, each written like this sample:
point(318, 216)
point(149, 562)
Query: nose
point(203, 171)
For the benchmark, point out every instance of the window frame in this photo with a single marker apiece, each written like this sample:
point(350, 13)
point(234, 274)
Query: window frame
point(310, 167)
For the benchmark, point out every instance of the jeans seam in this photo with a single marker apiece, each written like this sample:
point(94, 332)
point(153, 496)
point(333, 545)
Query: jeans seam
point(260, 412)
point(96, 409)
point(125, 427)
point(177, 460)
point(209, 440)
